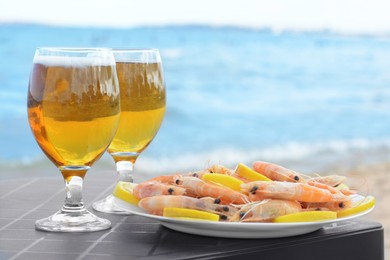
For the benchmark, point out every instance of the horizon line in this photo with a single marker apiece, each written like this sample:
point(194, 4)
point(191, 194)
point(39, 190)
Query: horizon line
point(363, 33)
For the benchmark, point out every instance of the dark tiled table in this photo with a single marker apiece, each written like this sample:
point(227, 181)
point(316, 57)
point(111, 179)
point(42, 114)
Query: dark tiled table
point(133, 237)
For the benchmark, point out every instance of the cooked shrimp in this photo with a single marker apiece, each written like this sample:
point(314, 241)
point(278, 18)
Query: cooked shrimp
point(168, 179)
point(259, 190)
point(333, 205)
point(276, 172)
point(324, 186)
point(333, 190)
point(347, 191)
point(331, 180)
point(266, 210)
point(156, 204)
point(197, 174)
point(217, 168)
point(206, 189)
point(153, 188)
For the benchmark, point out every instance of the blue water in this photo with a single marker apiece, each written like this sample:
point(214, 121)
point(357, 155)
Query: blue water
point(232, 92)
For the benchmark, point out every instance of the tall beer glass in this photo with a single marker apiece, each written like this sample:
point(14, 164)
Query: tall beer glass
point(73, 111)
point(142, 92)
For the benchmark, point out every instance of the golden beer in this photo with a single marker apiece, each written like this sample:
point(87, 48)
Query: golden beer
point(73, 115)
point(142, 94)
point(143, 98)
point(73, 107)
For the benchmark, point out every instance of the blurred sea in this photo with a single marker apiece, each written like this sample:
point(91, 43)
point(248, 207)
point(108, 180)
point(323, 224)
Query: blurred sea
point(234, 94)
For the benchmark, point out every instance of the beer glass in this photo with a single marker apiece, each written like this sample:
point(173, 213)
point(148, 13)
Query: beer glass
point(73, 112)
point(142, 92)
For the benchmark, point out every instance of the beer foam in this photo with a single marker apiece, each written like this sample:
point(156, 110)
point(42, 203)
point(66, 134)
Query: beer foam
point(137, 55)
point(67, 61)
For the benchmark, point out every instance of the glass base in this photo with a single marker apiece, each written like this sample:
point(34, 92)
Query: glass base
point(107, 206)
point(81, 221)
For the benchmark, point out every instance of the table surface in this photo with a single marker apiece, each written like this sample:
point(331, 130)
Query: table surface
point(22, 201)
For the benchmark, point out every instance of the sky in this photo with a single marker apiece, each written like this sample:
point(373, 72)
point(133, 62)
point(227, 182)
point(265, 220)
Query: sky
point(349, 16)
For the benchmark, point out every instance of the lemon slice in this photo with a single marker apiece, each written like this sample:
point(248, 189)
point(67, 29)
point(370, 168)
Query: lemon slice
point(124, 191)
point(250, 174)
point(224, 180)
point(359, 204)
point(307, 216)
point(184, 213)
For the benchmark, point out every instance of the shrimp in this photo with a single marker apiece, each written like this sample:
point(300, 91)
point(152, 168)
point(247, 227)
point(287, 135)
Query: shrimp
point(347, 191)
point(333, 205)
point(276, 172)
point(331, 180)
point(206, 189)
point(342, 203)
point(217, 168)
point(259, 190)
point(168, 179)
point(324, 186)
point(153, 188)
point(156, 204)
point(265, 210)
point(197, 174)
point(344, 191)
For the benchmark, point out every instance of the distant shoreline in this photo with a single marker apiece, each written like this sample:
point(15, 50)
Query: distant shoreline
point(194, 26)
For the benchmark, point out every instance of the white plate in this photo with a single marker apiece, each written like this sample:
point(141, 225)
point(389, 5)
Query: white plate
point(234, 229)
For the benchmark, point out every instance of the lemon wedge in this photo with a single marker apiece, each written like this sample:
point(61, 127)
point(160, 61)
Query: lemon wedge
point(224, 180)
point(307, 216)
point(184, 213)
point(124, 191)
point(359, 204)
point(248, 173)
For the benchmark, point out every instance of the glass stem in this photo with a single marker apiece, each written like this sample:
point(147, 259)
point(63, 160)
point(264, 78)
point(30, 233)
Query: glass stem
point(125, 171)
point(74, 190)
